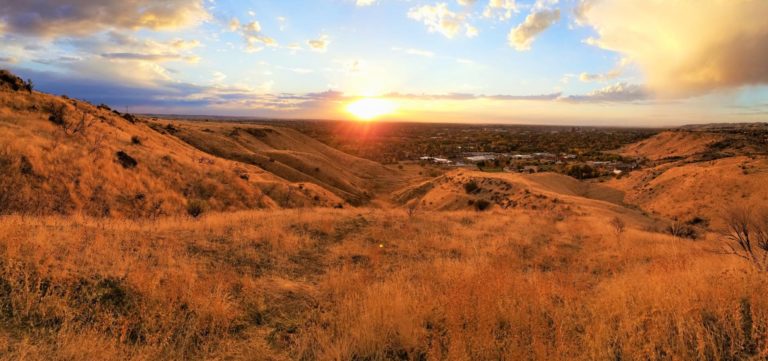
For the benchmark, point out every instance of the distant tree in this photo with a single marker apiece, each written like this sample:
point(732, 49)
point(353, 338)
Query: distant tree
point(583, 171)
point(30, 85)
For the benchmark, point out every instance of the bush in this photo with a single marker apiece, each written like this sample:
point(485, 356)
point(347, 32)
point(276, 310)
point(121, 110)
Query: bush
point(129, 117)
point(126, 160)
point(682, 230)
point(482, 205)
point(8, 79)
point(135, 140)
point(195, 208)
point(583, 171)
point(471, 187)
point(56, 114)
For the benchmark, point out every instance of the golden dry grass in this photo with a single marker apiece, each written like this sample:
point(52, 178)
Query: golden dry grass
point(369, 284)
point(671, 144)
point(703, 189)
point(49, 170)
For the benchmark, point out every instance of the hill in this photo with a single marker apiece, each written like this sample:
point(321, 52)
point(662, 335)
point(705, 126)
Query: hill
point(696, 173)
point(65, 156)
point(285, 153)
point(672, 144)
point(553, 194)
point(698, 190)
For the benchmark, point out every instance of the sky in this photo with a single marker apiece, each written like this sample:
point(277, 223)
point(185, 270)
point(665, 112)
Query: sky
point(576, 62)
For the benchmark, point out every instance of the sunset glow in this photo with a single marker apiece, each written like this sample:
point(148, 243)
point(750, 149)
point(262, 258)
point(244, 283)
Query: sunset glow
point(443, 61)
point(371, 108)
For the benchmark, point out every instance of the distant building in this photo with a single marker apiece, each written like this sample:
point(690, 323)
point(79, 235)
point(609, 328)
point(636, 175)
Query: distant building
point(436, 160)
point(480, 158)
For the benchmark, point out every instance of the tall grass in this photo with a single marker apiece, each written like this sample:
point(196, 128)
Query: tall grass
point(370, 285)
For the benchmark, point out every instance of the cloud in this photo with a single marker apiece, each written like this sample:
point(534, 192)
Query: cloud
point(439, 19)
point(364, 2)
point(320, 44)
point(469, 96)
point(609, 75)
point(524, 34)
point(117, 57)
point(620, 92)
point(471, 31)
point(685, 48)
point(59, 18)
point(151, 57)
point(255, 40)
point(466, 2)
point(500, 9)
point(119, 46)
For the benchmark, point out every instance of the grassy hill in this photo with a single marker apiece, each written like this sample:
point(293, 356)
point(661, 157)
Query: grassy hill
point(287, 154)
point(65, 156)
point(698, 174)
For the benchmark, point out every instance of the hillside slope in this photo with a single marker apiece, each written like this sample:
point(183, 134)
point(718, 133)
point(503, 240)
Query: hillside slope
point(672, 144)
point(698, 189)
point(555, 194)
point(65, 156)
point(287, 154)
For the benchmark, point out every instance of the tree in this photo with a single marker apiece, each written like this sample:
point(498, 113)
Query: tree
point(746, 235)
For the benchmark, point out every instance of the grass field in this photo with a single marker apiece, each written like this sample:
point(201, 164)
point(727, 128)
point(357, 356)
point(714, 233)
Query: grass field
point(370, 284)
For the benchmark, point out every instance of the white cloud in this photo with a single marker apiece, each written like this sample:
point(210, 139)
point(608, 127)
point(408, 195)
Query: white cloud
point(440, 19)
point(524, 34)
point(320, 44)
point(255, 40)
point(364, 2)
point(218, 77)
point(471, 31)
point(500, 9)
point(620, 92)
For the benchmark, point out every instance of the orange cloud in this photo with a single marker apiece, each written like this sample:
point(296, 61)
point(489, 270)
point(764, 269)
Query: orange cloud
point(685, 47)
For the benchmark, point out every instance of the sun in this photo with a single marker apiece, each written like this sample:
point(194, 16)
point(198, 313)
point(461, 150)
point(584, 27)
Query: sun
point(371, 108)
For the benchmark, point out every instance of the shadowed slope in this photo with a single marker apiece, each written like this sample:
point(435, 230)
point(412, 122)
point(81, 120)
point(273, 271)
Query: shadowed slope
point(290, 155)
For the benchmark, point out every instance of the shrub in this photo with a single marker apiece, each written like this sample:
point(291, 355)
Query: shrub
point(682, 230)
point(482, 205)
point(135, 140)
point(126, 160)
point(129, 117)
point(25, 166)
point(195, 208)
point(471, 187)
point(618, 226)
point(56, 114)
point(8, 79)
